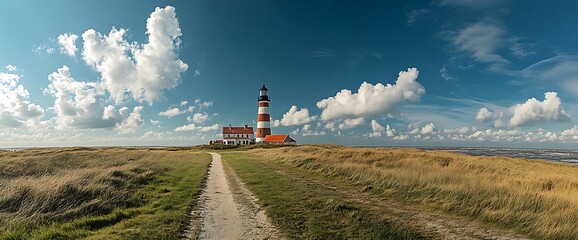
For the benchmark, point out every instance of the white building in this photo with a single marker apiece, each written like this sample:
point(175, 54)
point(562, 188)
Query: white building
point(238, 135)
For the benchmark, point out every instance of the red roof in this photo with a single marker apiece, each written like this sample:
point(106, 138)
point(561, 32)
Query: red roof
point(238, 130)
point(278, 138)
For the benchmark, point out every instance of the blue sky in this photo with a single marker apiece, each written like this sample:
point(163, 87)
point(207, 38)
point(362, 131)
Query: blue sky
point(419, 73)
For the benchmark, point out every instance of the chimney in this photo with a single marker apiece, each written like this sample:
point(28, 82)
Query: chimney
point(229, 126)
point(245, 126)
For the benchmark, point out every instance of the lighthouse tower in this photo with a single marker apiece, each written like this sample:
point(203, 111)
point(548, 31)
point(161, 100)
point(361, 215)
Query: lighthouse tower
point(263, 118)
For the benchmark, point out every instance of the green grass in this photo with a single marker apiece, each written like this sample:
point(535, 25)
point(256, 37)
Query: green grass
point(535, 198)
point(98, 193)
point(303, 211)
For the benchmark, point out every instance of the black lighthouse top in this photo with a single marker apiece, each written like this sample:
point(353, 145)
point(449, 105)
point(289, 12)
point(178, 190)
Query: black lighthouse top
point(263, 94)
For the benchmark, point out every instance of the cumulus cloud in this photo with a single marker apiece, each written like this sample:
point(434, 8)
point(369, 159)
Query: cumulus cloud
point(295, 117)
point(428, 129)
point(570, 134)
point(351, 123)
point(371, 100)
point(140, 71)
point(193, 127)
point(533, 110)
point(213, 127)
point(306, 130)
point(15, 107)
point(418, 131)
point(484, 115)
point(199, 118)
point(109, 112)
point(330, 125)
point(67, 44)
point(171, 112)
point(78, 105)
point(132, 122)
point(401, 137)
point(376, 128)
point(184, 128)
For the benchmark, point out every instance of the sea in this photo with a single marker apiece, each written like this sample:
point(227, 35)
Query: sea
point(562, 156)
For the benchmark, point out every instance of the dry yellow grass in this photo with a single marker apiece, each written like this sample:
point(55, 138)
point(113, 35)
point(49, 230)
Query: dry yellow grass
point(533, 197)
point(44, 186)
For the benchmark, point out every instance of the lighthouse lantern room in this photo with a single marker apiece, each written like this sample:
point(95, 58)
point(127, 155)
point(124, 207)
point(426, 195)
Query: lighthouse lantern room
point(263, 117)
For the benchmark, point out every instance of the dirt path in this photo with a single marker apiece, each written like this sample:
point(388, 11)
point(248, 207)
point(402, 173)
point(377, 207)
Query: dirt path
point(228, 210)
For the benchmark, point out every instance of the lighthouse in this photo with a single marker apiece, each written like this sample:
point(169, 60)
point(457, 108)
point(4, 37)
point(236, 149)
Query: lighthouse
point(263, 118)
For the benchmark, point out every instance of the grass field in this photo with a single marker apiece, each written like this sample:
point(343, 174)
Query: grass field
point(302, 211)
point(535, 198)
point(309, 192)
point(113, 193)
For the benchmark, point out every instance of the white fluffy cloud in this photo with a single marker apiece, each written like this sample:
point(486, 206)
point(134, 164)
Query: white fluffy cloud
point(213, 127)
point(351, 123)
point(371, 100)
point(418, 131)
point(484, 115)
point(193, 127)
point(184, 128)
point(428, 129)
point(535, 111)
point(78, 105)
point(15, 107)
point(141, 70)
point(171, 112)
point(132, 122)
point(570, 134)
point(199, 118)
point(307, 131)
point(67, 44)
point(376, 128)
point(295, 117)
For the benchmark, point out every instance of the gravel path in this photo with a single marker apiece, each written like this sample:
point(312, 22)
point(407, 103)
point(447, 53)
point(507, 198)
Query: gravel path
point(228, 210)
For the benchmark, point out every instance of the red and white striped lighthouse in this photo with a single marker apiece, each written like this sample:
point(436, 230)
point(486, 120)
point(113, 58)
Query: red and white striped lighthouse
point(263, 117)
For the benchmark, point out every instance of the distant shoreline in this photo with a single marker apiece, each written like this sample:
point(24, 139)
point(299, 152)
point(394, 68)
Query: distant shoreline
point(554, 155)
